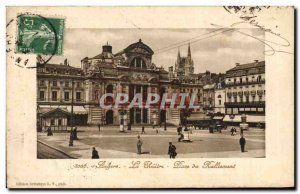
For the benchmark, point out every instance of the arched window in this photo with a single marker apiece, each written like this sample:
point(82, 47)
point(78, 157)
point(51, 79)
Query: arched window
point(259, 78)
point(219, 96)
point(138, 62)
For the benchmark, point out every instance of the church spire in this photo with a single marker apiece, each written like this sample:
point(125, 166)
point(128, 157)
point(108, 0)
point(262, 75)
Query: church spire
point(178, 56)
point(189, 51)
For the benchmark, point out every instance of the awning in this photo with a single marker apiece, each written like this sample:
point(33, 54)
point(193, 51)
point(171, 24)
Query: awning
point(255, 119)
point(218, 118)
point(249, 119)
point(198, 117)
point(46, 108)
point(80, 110)
point(236, 119)
point(76, 109)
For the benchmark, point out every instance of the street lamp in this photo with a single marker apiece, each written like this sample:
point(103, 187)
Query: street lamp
point(72, 104)
point(243, 125)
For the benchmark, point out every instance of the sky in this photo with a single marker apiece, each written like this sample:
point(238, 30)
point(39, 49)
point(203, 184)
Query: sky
point(214, 51)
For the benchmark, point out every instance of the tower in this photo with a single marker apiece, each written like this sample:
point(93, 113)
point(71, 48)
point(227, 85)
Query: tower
point(184, 66)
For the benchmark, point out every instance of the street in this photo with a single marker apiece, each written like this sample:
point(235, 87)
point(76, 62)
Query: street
point(111, 143)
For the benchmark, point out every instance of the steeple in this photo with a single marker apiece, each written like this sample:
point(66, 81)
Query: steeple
point(178, 56)
point(189, 51)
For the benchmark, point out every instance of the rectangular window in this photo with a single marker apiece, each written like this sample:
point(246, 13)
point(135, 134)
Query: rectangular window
point(78, 84)
point(42, 95)
point(52, 122)
point(67, 97)
point(220, 102)
point(59, 122)
point(54, 95)
point(78, 96)
point(42, 83)
point(54, 83)
point(66, 84)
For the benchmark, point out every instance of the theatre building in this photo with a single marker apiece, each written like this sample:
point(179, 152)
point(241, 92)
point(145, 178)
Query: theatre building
point(130, 71)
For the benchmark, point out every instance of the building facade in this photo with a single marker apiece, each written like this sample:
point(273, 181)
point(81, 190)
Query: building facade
point(220, 97)
point(245, 89)
point(130, 71)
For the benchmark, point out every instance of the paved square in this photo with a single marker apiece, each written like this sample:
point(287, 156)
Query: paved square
point(111, 143)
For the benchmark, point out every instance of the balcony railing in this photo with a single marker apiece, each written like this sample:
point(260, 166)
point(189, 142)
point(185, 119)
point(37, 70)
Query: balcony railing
point(245, 83)
point(245, 104)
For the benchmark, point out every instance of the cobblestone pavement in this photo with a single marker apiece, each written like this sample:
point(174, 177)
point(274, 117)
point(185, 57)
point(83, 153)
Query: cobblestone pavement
point(111, 143)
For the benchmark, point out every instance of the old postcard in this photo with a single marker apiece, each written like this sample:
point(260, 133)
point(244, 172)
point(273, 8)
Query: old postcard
point(150, 97)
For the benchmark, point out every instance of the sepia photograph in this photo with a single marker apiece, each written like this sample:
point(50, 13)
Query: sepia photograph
point(153, 93)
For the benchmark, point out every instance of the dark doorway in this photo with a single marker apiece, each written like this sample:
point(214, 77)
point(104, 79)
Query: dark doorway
point(138, 116)
point(109, 117)
point(131, 116)
point(162, 116)
point(145, 115)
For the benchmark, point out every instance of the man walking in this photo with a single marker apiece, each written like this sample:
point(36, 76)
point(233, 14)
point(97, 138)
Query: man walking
point(143, 129)
point(172, 150)
point(139, 145)
point(49, 132)
point(232, 131)
point(95, 154)
point(242, 143)
point(99, 126)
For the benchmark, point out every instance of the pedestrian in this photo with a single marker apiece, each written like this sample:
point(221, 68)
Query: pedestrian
point(139, 145)
point(95, 154)
point(143, 129)
point(129, 127)
point(242, 131)
point(75, 133)
point(242, 143)
point(180, 137)
point(49, 132)
point(99, 127)
point(179, 129)
point(232, 131)
point(153, 126)
point(172, 150)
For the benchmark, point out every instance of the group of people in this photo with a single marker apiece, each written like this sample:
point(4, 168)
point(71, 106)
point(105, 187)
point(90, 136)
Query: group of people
point(171, 151)
point(233, 131)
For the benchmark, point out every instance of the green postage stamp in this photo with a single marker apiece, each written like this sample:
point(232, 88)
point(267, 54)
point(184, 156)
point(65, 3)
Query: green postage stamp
point(40, 35)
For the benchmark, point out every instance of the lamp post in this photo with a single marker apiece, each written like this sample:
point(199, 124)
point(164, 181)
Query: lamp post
point(243, 125)
point(72, 104)
point(122, 120)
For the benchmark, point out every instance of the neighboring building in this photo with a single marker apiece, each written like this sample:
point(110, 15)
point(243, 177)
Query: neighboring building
point(245, 91)
point(220, 97)
point(129, 71)
point(209, 97)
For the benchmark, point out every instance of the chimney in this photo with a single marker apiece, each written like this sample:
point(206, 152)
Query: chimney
point(256, 61)
point(171, 74)
point(237, 64)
